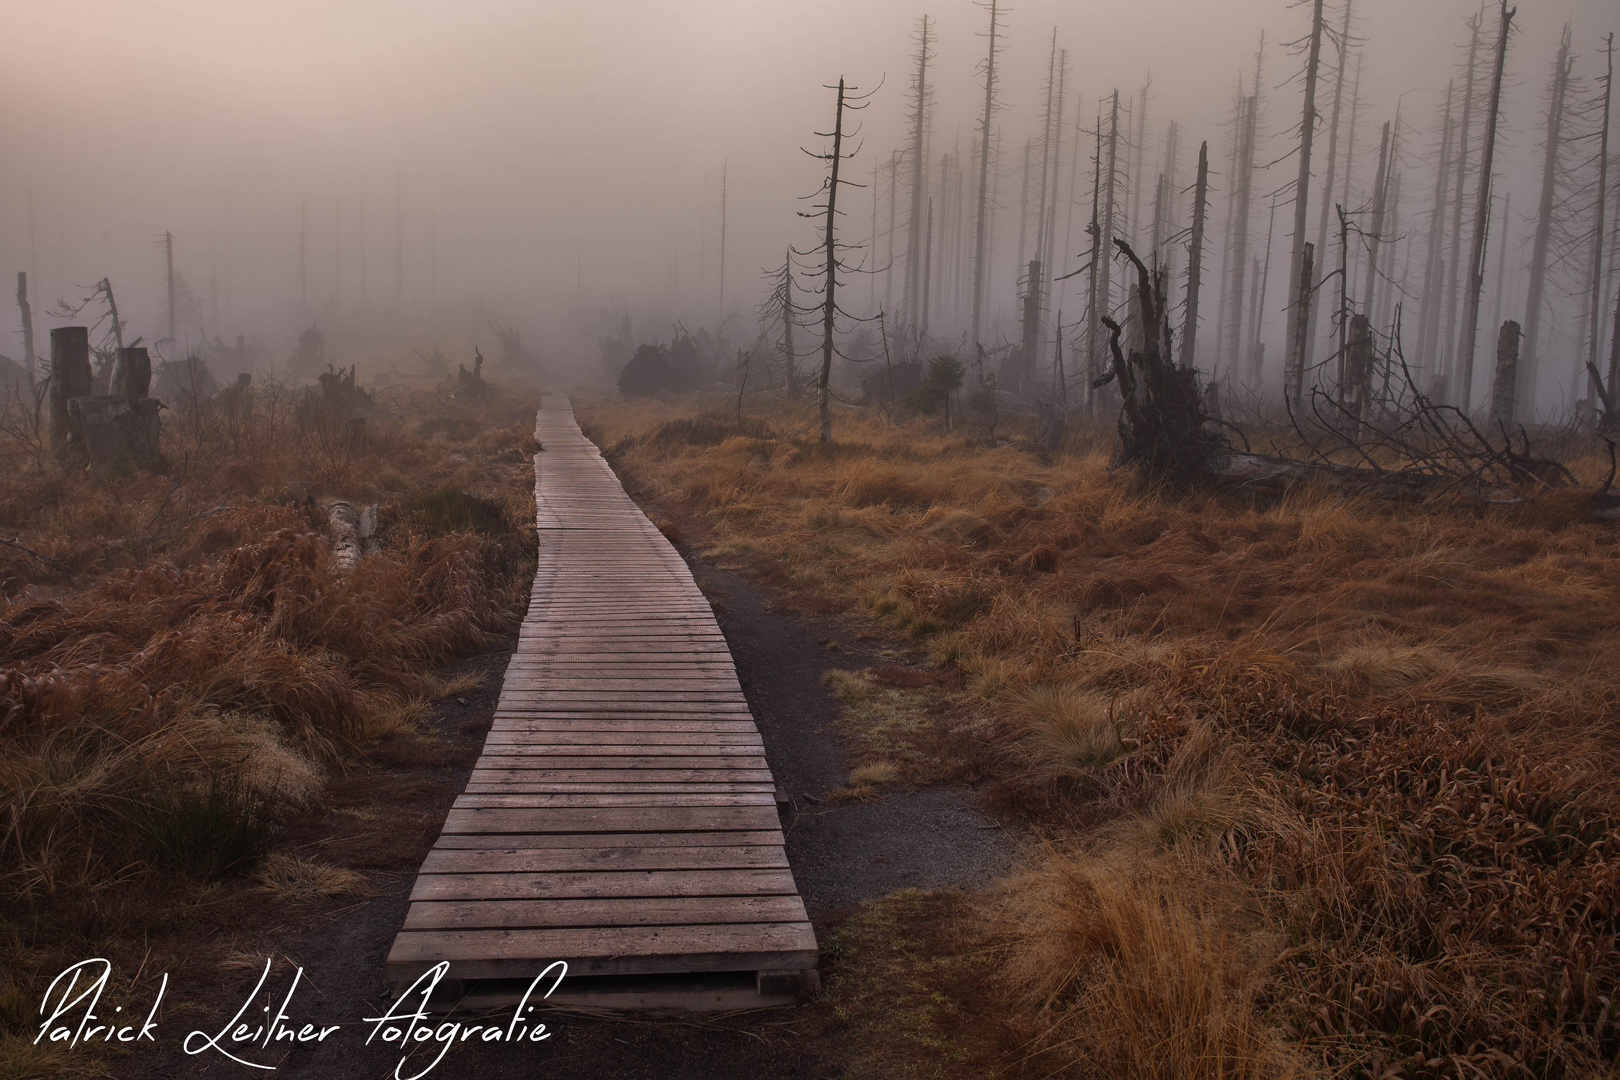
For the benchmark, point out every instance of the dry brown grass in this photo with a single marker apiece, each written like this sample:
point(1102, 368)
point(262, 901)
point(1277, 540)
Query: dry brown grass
point(180, 695)
point(1329, 781)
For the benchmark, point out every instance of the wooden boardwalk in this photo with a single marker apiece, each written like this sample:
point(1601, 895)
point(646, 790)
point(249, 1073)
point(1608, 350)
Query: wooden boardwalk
point(621, 817)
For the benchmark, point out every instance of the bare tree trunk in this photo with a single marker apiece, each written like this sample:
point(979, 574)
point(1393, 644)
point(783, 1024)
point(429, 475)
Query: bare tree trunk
point(1257, 352)
point(1094, 359)
point(787, 327)
point(928, 271)
point(1218, 358)
point(168, 255)
point(888, 270)
point(1138, 165)
point(1042, 256)
point(1448, 357)
point(1333, 129)
point(1377, 235)
point(1023, 208)
point(1482, 215)
point(1595, 331)
point(1434, 274)
point(1304, 296)
point(919, 131)
point(830, 308)
point(1195, 260)
point(27, 323)
point(1105, 243)
point(1507, 363)
point(1300, 315)
point(1524, 394)
point(1392, 229)
point(1068, 217)
point(980, 270)
point(1050, 244)
point(1240, 233)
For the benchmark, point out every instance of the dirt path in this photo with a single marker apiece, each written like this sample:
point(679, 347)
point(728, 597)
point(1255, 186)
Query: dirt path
point(385, 813)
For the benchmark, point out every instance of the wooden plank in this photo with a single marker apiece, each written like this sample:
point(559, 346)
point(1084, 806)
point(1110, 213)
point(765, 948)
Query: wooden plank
point(640, 911)
point(506, 860)
point(593, 840)
point(527, 798)
point(648, 775)
point(518, 953)
point(717, 741)
point(675, 819)
point(519, 886)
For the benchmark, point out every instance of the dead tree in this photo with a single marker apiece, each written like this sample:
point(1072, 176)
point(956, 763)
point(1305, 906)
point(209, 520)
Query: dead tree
point(1300, 309)
point(1448, 355)
point(1243, 183)
point(1195, 259)
point(1163, 426)
point(1595, 322)
point(1482, 215)
point(1343, 45)
point(1507, 370)
point(1524, 394)
point(778, 309)
point(1434, 274)
point(27, 313)
point(921, 99)
point(168, 258)
point(981, 224)
point(1380, 187)
point(830, 248)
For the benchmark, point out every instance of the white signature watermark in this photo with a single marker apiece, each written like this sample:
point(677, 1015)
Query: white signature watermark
point(73, 1013)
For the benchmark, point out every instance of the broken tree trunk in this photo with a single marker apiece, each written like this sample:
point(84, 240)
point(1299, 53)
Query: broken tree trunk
point(132, 373)
point(1195, 259)
point(1507, 375)
point(1300, 323)
point(1163, 426)
point(70, 378)
point(1300, 312)
point(27, 323)
point(1482, 218)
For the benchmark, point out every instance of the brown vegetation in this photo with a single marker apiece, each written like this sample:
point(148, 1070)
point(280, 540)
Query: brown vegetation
point(1325, 785)
point(181, 661)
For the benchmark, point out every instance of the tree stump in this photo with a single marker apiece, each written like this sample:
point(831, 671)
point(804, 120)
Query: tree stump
point(70, 378)
point(112, 430)
point(131, 373)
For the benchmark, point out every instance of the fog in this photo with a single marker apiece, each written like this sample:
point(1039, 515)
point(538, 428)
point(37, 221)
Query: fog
point(557, 162)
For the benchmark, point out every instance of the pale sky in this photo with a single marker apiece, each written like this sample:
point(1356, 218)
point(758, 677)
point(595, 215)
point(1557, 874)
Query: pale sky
point(549, 139)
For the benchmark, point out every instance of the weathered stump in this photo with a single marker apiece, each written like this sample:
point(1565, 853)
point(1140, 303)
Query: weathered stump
point(112, 430)
point(70, 378)
point(1507, 374)
point(131, 373)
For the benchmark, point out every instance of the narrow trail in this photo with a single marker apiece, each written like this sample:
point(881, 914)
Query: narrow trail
point(622, 817)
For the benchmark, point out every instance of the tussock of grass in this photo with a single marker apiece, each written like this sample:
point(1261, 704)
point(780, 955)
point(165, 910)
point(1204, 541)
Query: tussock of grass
point(291, 878)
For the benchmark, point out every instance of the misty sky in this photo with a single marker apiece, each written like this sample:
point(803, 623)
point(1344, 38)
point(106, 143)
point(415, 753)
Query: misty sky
point(561, 146)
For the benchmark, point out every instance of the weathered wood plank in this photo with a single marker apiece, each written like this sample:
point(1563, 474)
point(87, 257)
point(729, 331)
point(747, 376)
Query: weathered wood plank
point(506, 860)
point(640, 911)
